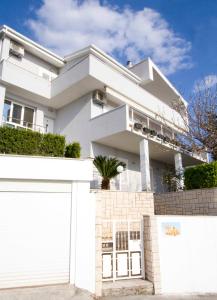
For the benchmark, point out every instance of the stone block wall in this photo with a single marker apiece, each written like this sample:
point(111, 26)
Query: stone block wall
point(116, 205)
point(193, 202)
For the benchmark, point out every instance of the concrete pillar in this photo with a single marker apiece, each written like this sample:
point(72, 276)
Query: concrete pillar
point(179, 169)
point(151, 252)
point(145, 166)
point(2, 99)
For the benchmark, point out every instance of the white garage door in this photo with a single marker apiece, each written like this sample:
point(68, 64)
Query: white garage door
point(34, 233)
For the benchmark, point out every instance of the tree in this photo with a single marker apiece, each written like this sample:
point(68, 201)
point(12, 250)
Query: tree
point(108, 169)
point(200, 118)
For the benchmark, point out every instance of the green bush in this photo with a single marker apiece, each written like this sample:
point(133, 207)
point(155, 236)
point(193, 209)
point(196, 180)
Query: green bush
point(202, 176)
point(52, 145)
point(73, 150)
point(28, 142)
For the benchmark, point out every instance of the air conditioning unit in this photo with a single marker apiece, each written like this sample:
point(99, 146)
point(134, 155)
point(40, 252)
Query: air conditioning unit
point(99, 98)
point(16, 49)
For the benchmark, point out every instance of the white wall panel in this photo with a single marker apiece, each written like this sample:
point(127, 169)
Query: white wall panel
point(44, 168)
point(188, 260)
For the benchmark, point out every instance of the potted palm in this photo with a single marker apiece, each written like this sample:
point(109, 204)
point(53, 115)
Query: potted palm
point(108, 168)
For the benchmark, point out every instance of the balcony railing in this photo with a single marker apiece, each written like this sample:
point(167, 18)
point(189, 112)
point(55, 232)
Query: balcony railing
point(158, 132)
point(21, 77)
point(149, 125)
point(22, 124)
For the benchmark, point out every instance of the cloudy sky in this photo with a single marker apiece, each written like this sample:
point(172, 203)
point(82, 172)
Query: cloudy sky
point(179, 35)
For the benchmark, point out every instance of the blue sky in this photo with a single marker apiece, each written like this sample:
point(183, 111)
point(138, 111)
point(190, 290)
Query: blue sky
point(179, 35)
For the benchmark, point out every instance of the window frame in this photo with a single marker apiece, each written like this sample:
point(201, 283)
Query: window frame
point(22, 121)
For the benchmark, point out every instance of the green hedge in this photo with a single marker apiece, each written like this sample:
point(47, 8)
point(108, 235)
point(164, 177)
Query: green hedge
point(52, 145)
point(202, 176)
point(28, 142)
point(73, 150)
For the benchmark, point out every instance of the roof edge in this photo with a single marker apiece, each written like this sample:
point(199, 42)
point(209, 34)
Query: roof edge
point(92, 49)
point(11, 33)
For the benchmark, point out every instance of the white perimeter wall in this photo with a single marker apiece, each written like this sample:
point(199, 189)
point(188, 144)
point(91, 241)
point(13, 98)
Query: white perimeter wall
point(188, 262)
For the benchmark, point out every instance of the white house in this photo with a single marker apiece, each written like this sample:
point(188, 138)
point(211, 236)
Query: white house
point(91, 98)
point(53, 229)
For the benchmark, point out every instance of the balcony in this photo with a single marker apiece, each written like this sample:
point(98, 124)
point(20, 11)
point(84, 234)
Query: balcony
point(109, 123)
point(124, 127)
point(22, 79)
point(159, 133)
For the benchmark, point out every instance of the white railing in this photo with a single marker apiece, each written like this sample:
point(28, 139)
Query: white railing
point(19, 124)
point(150, 125)
point(158, 132)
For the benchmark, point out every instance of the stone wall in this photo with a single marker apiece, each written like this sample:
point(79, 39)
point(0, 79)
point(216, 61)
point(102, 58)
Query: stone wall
point(151, 253)
point(193, 202)
point(116, 205)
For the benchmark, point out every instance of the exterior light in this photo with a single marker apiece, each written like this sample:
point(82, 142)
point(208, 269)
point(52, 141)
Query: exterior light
point(120, 169)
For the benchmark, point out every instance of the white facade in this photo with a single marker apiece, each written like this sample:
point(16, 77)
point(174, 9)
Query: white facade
point(48, 93)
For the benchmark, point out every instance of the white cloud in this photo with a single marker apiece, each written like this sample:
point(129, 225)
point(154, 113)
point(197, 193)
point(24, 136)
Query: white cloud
point(69, 25)
point(207, 82)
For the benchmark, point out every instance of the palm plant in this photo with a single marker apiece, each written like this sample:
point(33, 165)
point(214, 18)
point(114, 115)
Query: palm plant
point(108, 169)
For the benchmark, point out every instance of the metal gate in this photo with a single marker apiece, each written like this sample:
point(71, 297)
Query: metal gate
point(122, 255)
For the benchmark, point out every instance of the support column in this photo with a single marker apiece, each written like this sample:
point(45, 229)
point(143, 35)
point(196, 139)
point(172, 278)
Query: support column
point(2, 99)
point(145, 166)
point(179, 169)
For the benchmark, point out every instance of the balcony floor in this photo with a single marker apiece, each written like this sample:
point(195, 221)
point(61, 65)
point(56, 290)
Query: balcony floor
point(129, 141)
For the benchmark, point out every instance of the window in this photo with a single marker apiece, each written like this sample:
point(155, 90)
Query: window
point(16, 113)
point(6, 111)
point(19, 114)
point(28, 117)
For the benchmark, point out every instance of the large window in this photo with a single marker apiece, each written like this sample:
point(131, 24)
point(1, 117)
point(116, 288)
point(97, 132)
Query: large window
point(28, 116)
point(6, 111)
point(19, 114)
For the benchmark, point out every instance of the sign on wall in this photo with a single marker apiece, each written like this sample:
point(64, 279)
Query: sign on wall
point(171, 228)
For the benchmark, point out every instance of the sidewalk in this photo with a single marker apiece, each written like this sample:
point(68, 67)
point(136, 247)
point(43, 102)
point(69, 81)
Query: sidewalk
point(56, 292)
point(67, 292)
point(141, 297)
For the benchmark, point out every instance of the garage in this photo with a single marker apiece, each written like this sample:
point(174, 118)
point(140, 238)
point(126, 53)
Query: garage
point(47, 220)
point(35, 218)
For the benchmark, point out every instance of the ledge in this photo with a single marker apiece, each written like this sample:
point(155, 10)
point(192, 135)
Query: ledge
point(45, 168)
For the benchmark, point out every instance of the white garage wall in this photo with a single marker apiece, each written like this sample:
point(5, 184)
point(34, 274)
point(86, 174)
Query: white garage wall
point(83, 270)
point(188, 261)
point(47, 222)
point(45, 168)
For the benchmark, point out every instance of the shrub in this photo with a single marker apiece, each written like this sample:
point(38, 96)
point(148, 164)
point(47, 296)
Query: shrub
point(28, 142)
point(202, 176)
point(73, 150)
point(108, 169)
point(172, 180)
point(52, 145)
